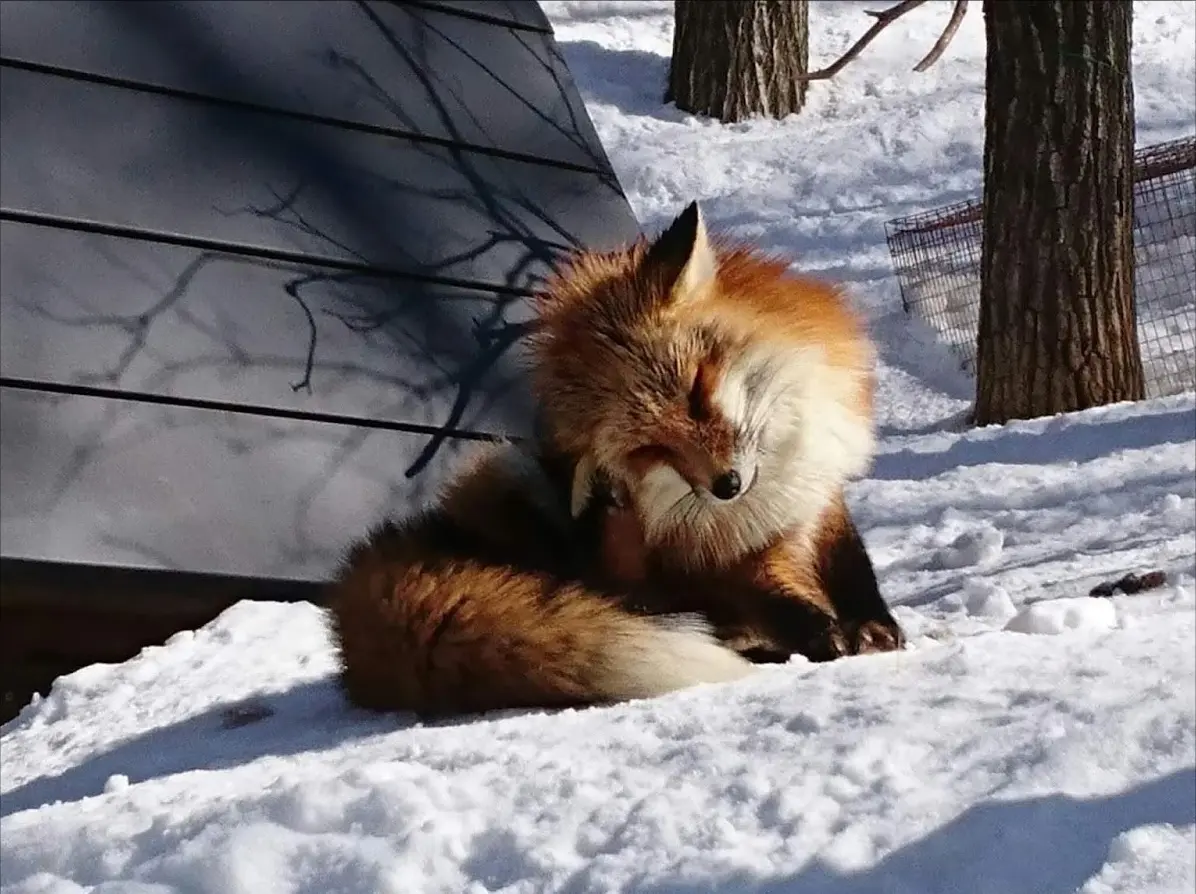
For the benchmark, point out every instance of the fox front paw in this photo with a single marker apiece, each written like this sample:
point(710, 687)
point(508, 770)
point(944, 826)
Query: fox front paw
point(827, 644)
point(874, 636)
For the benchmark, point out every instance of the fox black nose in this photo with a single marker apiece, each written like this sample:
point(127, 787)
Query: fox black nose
point(727, 485)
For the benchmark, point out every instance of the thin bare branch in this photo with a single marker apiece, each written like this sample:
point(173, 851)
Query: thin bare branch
point(884, 18)
point(961, 7)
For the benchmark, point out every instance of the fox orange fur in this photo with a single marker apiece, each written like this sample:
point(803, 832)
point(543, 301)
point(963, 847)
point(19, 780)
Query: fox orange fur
point(721, 404)
point(729, 401)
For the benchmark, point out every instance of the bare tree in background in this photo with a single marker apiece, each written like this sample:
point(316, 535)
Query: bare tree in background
point(735, 59)
point(1057, 326)
point(1057, 323)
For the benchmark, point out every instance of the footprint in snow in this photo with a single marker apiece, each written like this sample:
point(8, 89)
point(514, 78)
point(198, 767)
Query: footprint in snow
point(985, 600)
point(980, 546)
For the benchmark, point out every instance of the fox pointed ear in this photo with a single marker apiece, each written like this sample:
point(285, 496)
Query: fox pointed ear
point(683, 256)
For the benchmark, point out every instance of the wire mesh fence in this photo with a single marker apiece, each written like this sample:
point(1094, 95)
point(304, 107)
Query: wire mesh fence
point(936, 255)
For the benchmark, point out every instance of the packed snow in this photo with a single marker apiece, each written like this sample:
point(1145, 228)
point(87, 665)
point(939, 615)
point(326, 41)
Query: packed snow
point(1032, 738)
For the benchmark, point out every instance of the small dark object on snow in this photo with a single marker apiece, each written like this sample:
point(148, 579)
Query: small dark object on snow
point(1130, 584)
point(245, 714)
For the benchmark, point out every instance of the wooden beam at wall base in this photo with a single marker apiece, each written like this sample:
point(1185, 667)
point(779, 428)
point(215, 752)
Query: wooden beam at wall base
point(56, 617)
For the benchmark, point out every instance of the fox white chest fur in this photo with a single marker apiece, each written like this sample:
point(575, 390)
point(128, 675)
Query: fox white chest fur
point(798, 437)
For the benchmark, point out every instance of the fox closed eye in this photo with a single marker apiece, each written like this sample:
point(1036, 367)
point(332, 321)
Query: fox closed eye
point(702, 388)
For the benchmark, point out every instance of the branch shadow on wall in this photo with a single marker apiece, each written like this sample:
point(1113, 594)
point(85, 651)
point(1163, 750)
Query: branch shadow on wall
point(433, 249)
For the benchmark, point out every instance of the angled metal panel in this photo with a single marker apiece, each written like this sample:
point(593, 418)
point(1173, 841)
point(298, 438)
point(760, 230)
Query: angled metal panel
point(108, 481)
point(190, 323)
point(402, 68)
point(223, 219)
point(516, 14)
point(88, 151)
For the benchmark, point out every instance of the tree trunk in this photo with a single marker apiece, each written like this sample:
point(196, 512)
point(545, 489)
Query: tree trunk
point(1057, 324)
point(735, 60)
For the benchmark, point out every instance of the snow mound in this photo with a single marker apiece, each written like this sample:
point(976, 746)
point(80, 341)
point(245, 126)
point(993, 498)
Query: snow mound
point(1053, 616)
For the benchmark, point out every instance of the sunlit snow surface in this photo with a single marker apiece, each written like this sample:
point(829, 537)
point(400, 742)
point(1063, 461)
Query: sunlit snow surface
point(1032, 739)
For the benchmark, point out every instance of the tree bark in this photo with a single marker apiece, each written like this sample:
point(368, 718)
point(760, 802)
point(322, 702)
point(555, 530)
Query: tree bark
point(736, 60)
point(1057, 323)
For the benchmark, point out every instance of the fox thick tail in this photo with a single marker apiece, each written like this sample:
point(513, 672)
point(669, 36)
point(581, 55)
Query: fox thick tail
point(446, 636)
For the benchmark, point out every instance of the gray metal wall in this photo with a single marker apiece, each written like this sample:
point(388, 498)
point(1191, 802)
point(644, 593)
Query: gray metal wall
point(222, 219)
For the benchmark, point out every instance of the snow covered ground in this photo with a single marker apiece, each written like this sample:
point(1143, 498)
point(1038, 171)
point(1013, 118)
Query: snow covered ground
point(1032, 739)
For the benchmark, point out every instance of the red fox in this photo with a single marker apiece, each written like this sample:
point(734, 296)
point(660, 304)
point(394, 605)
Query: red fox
point(727, 401)
point(720, 404)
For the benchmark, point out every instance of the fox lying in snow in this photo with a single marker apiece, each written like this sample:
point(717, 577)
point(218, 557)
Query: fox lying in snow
point(702, 409)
